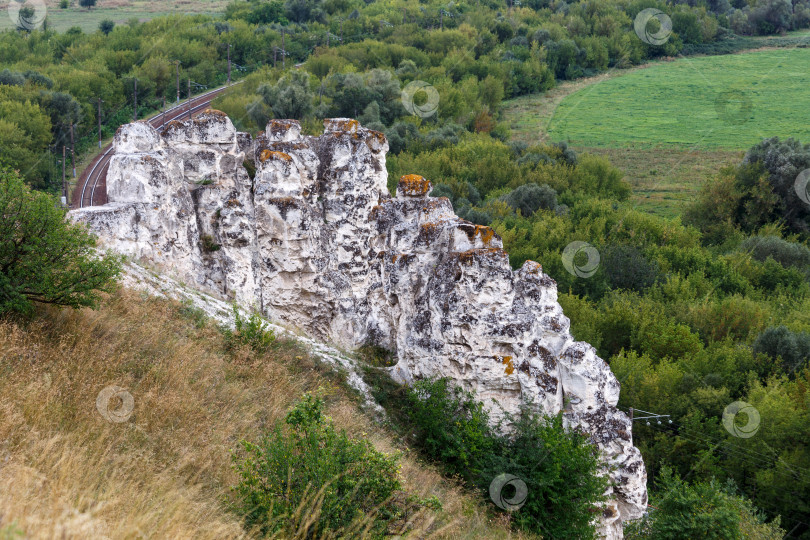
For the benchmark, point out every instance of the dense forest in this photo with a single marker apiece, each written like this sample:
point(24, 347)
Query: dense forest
point(692, 314)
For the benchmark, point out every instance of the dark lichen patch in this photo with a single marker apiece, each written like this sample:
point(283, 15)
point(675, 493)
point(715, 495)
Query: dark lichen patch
point(548, 359)
point(413, 185)
point(428, 232)
point(284, 205)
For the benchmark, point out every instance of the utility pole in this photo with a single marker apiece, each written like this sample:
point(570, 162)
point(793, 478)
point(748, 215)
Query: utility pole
point(99, 122)
point(163, 123)
point(135, 114)
point(189, 99)
point(275, 57)
point(283, 51)
point(177, 62)
point(72, 152)
point(327, 39)
point(64, 183)
point(229, 63)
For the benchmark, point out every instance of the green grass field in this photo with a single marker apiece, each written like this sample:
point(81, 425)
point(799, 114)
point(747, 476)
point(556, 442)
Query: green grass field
point(119, 11)
point(717, 102)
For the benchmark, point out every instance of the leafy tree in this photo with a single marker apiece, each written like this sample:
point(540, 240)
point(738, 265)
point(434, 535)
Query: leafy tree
point(43, 257)
point(87, 3)
point(701, 510)
point(106, 26)
point(529, 198)
point(791, 347)
point(627, 268)
point(290, 97)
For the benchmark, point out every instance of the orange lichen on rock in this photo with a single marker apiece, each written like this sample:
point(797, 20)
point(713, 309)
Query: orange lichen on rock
point(413, 185)
point(342, 124)
point(214, 112)
point(270, 154)
point(533, 267)
point(467, 257)
point(507, 361)
point(375, 137)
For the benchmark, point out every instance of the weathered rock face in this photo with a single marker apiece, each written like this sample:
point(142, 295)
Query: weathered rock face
point(314, 240)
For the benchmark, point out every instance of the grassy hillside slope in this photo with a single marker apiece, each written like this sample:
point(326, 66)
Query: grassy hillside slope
point(66, 472)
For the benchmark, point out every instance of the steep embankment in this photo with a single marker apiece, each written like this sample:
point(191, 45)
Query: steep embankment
point(66, 472)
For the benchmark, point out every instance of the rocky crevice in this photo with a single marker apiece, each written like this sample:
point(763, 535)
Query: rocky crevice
point(315, 241)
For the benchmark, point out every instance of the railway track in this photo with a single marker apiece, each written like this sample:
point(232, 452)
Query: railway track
point(91, 189)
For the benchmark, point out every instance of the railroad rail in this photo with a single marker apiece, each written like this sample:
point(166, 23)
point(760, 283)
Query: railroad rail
point(91, 189)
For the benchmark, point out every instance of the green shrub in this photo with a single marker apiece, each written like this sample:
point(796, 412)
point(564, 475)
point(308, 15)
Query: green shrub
point(252, 331)
point(561, 471)
point(449, 426)
point(309, 478)
point(208, 244)
point(559, 467)
point(627, 268)
point(788, 254)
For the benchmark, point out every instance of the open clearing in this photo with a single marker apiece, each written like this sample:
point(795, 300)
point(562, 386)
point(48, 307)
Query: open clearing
point(729, 101)
point(672, 125)
point(119, 11)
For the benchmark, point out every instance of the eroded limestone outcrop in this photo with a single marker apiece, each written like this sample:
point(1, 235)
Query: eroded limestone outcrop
point(315, 241)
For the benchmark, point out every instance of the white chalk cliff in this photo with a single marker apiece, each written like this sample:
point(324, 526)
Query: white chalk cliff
point(315, 241)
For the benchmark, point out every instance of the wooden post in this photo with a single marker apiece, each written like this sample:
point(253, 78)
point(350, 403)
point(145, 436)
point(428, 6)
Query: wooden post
point(178, 81)
point(99, 122)
point(229, 63)
point(72, 151)
point(135, 113)
point(64, 183)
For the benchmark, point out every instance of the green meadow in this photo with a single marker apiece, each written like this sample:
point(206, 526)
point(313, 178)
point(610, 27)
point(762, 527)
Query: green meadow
point(718, 102)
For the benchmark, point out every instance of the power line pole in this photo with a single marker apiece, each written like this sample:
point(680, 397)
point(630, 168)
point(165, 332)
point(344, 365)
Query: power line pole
point(229, 63)
point(64, 184)
point(177, 62)
point(72, 152)
point(189, 99)
point(99, 122)
point(163, 124)
point(275, 57)
point(135, 113)
point(283, 51)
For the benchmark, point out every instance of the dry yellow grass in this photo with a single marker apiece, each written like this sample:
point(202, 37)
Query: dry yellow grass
point(66, 472)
